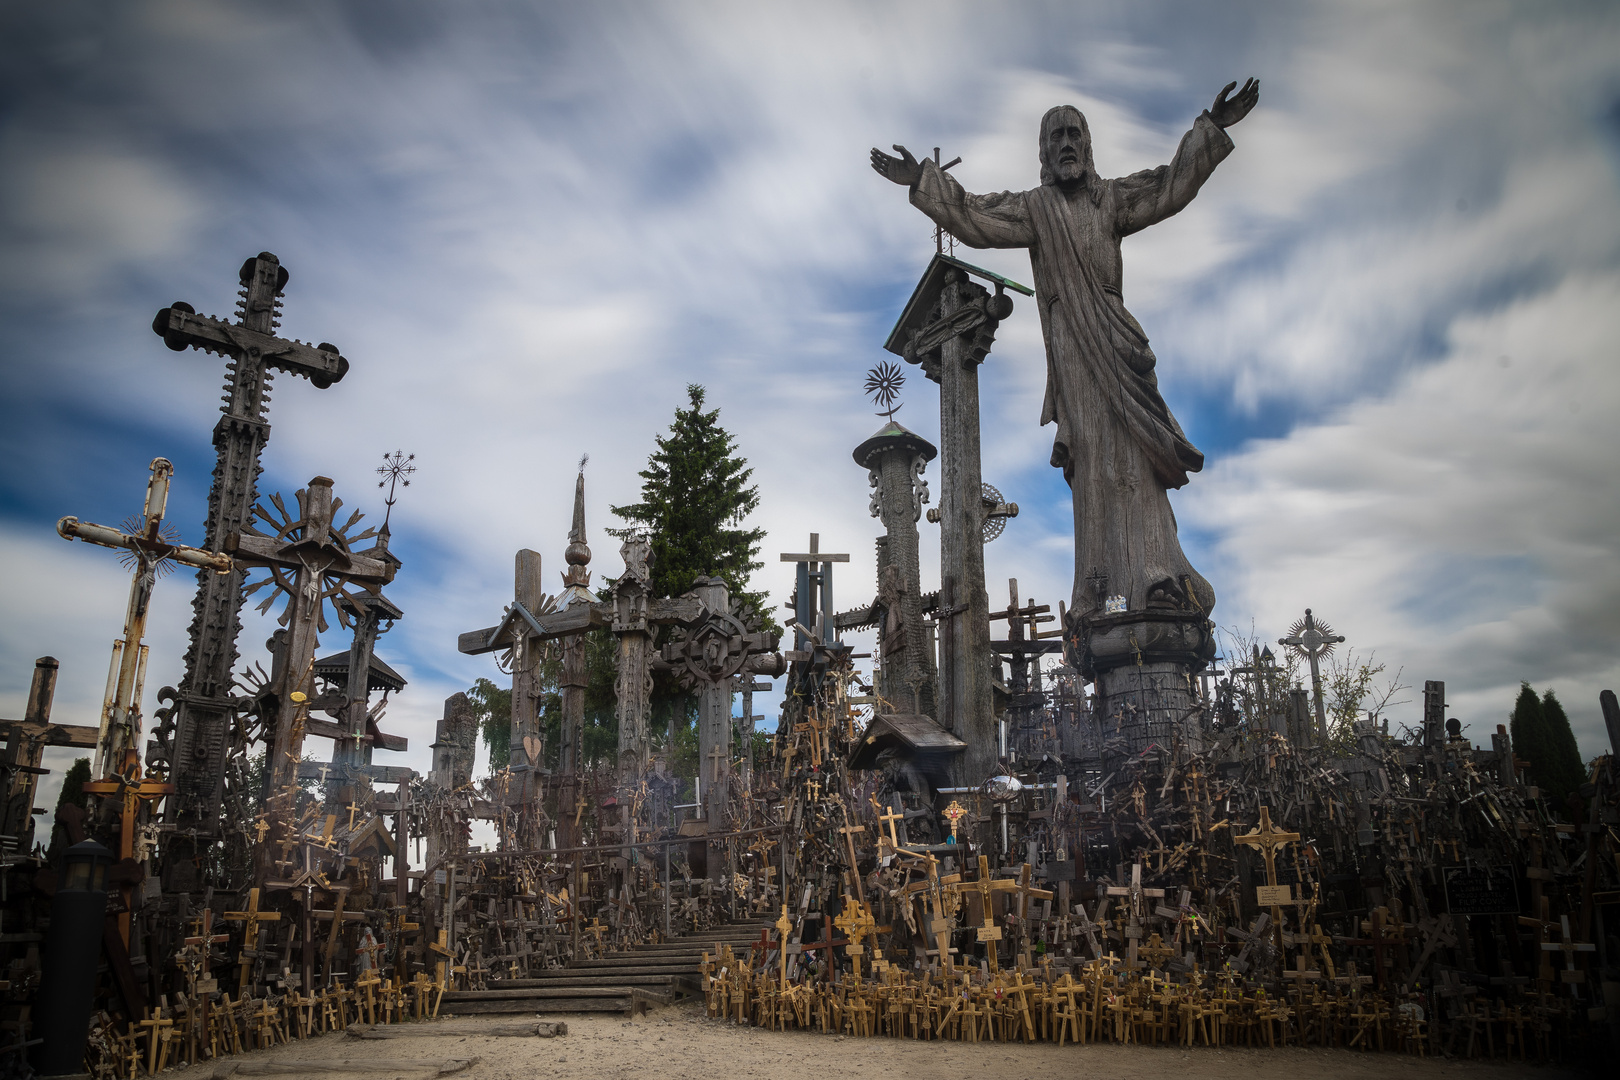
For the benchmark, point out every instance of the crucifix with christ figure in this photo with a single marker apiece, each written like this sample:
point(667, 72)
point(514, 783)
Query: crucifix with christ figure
point(148, 550)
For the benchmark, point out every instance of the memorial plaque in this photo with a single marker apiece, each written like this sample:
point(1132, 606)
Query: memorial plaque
point(1481, 890)
point(1274, 894)
point(1058, 870)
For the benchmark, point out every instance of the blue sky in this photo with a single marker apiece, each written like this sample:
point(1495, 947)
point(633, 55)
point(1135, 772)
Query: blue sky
point(1389, 320)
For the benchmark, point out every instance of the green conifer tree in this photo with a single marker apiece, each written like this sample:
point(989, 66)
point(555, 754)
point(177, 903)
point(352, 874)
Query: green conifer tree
point(78, 775)
point(695, 497)
point(1529, 730)
point(1565, 772)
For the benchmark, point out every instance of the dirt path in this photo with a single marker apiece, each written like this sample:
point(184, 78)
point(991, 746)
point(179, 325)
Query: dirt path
point(680, 1044)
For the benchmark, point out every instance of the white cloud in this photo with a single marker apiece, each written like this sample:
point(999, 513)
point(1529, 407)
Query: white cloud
point(1459, 523)
point(528, 232)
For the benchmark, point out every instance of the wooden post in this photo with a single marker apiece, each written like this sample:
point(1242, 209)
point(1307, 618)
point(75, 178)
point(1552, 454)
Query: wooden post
point(965, 703)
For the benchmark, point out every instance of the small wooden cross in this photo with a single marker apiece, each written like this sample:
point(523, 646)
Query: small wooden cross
point(352, 809)
point(784, 926)
point(889, 819)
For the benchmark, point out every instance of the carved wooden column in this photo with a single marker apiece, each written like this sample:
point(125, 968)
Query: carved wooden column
point(896, 459)
point(633, 683)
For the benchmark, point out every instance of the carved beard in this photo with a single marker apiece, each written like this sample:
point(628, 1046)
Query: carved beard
point(1087, 168)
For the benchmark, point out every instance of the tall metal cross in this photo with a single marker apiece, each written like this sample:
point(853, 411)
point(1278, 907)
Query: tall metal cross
point(203, 710)
point(1313, 640)
point(147, 549)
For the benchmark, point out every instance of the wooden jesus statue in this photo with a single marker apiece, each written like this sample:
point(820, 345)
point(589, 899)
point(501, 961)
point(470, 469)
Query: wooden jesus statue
point(1119, 447)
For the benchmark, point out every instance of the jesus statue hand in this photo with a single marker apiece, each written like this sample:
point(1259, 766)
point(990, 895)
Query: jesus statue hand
point(1226, 112)
point(901, 170)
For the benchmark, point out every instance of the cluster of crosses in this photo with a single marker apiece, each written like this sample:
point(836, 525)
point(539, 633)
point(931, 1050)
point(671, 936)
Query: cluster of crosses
point(970, 835)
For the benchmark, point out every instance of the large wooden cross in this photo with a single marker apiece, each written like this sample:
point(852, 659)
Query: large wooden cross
point(26, 740)
point(986, 886)
point(250, 920)
point(119, 745)
point(1268, 839)
point(204, 708)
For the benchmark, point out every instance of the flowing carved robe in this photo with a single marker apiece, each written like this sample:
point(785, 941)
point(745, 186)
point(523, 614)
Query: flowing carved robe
point(1117, 443)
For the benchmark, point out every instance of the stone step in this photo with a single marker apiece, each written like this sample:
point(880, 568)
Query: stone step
point(565, 977)
point(539, 1006)
point(530, 993)
point(631, 965)
point(696, 944)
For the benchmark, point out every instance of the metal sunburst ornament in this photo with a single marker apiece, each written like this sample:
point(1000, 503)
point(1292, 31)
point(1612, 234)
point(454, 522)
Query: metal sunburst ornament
point(1311, 637)
point(395, 470)
point(883, 385)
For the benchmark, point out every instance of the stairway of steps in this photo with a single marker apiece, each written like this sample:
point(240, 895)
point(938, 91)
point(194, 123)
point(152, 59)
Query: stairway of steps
point(651, 974)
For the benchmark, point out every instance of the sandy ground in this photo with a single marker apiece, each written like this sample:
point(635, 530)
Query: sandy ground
point(679, 1043)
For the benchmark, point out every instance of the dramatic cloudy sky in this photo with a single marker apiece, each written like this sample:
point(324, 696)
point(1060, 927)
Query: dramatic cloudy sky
point(1390, 320)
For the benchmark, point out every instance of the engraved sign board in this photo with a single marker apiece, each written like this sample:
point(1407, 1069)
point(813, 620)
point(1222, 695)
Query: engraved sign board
point(1273, 894)
point(1480, 890)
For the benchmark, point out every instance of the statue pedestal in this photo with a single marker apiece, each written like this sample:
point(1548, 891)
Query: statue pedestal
point(1142, 664)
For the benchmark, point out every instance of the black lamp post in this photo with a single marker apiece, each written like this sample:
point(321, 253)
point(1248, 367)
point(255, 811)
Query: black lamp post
point(72, 953)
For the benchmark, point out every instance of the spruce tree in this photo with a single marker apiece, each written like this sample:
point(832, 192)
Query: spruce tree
point(72, 795)
point(695, 496)
point(1565, 772)
point(1529, 731)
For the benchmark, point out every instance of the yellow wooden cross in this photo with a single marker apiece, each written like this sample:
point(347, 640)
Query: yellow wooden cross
point(856, 923)
point(353, 810)
point(158, 1028)
point(1268, 839)
point(889, 819)
point(251, 918)
point(987, 887)
point(784, 926)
